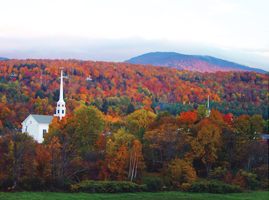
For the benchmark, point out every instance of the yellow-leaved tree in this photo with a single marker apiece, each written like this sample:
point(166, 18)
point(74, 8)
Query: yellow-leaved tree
point(135, 160)
point(139, 119)
point(207, 142)
point(178, 173)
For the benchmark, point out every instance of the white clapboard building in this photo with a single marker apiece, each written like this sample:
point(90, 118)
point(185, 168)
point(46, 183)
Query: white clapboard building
point(38, 125)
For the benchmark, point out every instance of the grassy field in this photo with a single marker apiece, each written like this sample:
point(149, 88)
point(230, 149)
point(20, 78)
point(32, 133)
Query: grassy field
point(259, 195)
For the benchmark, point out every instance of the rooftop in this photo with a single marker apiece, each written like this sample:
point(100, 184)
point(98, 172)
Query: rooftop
point(42, 119)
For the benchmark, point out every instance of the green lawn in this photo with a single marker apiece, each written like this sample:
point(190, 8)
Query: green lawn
point(142, 195)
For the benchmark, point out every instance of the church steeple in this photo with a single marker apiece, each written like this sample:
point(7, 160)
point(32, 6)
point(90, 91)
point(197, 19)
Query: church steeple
point(208, 109)
point(61, 95)
point(61, 109)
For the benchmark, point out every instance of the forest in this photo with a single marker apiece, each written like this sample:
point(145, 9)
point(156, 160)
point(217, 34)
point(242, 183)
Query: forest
point(125, 120)
point(32, 86)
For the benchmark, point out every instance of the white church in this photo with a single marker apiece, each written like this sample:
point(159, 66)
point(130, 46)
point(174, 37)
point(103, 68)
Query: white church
point(38, 125)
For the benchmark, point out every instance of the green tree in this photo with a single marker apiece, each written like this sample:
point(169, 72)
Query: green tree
point(138, 119)
point(130, 108)
point(89, 122)
point(202, 112)
point(98, 103)
point(162, 114)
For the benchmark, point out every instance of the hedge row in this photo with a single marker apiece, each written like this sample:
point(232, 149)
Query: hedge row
point(34, 184)
point(39, 184)
point(107, 187)
point(212, 187)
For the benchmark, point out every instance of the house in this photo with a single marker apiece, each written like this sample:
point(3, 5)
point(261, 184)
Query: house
point(265, 138)
point(38, 125)
point(89, 78)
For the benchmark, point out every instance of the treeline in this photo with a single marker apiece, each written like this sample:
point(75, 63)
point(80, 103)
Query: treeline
point(89, 145)
point(31, 86)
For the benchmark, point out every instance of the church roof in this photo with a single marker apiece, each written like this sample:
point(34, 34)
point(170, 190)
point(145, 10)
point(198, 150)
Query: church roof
point(42, 119)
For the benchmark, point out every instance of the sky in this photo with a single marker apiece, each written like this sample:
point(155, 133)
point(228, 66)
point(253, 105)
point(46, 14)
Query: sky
point(117, 30)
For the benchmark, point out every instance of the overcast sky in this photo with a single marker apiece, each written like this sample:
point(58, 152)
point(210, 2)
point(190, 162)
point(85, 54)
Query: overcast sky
point(117, 30)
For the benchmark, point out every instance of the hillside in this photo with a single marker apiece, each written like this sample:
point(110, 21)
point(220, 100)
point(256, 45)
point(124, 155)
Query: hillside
point(189, 62)
point(115, 125)
point(1, 58)
point(32, 86)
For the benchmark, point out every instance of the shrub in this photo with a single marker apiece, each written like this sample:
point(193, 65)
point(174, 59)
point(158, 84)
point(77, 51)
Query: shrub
point(154, 184)
point(212, 187)
point(240, 181)
point(31, 183)
point(178, 172)
point(7, 183)
point(220, 174)
point(262, 177)
point(247, 180)
point(107, 187)
point(66, 186)
point(217, 173)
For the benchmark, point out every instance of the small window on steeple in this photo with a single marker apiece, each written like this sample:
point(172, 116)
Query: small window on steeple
point(63, 105)
point(63, 111)
point(58, 111)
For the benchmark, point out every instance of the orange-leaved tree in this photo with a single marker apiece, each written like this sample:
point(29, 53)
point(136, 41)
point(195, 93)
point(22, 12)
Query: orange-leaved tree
point(165, 139)
point(117, 154)
point(42, 162)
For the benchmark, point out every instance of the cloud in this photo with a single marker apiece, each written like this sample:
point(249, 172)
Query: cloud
point(118, 50)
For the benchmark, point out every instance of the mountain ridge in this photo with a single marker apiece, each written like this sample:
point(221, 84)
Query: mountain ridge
point(190, 62)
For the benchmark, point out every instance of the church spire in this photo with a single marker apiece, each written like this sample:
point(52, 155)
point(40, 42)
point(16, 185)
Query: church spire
point(61, 98)
point(61, 109)
point(208, 109)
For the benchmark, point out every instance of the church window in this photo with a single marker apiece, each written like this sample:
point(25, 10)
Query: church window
point(58, 105)
point(63, 105)
point(63, 111)
point(58, 111)
point(30, 122)
point(44, 131)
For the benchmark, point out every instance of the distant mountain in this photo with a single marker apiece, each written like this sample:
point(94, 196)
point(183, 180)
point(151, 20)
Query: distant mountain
point(189, 62)
point(1, 58)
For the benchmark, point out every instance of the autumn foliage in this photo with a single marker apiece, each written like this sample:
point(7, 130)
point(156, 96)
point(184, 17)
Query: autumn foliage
point(124, 120)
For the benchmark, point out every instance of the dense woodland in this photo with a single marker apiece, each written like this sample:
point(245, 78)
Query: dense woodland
point(124, 120)
point(32, 86)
